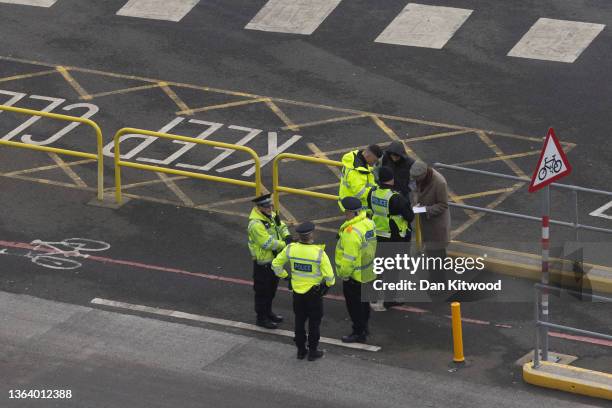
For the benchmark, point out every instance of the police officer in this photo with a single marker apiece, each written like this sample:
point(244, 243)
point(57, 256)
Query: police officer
point(355, 254)
point(268, 235)
point(358, 173)
point(392, 215)
point(311, 277)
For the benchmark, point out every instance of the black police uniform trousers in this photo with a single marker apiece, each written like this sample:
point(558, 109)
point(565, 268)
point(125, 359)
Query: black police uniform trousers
point(358, 311)
point(308, 307)
point(265, 283)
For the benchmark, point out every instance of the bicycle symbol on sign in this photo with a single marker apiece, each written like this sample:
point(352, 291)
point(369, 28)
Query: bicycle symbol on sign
point(56, 255)
point(553, 165)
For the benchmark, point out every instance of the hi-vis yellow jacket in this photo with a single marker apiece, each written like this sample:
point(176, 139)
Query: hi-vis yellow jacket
point(310, 266)
point(357, 179)
point(266, 236)
point(356, 249)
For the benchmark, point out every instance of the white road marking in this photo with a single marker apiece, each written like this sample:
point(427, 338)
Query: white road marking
point(170, 10)
point(223, 322)
point(292, 16)
point(419, 25)
point(37, 3)
point(556, 40)
point(601, 211)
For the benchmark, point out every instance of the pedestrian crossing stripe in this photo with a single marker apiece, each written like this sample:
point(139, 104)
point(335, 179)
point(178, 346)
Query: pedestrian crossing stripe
point(36, 3)
point(170, 10)
point(292, 16)
point(419, 25)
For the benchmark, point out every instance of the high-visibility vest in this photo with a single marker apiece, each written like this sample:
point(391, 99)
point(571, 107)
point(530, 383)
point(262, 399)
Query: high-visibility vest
point(379, 201)
point(355, 181)
point(356, 249)
point(266, 236)
point(310, 266)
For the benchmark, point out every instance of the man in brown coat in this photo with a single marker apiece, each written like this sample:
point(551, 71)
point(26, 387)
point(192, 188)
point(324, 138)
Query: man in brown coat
point(431, 192)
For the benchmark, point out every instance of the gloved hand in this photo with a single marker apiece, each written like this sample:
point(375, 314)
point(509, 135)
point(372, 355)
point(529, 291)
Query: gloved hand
point(288, 239)
point(323, 289)
point(289, 286)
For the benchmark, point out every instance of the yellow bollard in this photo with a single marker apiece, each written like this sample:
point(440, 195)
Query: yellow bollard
point(457, 333)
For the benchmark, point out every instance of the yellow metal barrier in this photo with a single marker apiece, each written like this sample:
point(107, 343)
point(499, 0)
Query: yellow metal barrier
point(118, 162)
point(276, 188)
point(98, 156)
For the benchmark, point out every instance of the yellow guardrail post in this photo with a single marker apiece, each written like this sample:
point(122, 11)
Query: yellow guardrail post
point(98, 156)
point(276, 188)
point(257, 184)
point(458, 356)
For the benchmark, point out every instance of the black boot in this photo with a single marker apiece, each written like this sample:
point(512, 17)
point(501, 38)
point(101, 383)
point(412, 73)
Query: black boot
point(275, 317)
point(266, 324)
point(301, 353)
point(314, 354)
point(354, 338)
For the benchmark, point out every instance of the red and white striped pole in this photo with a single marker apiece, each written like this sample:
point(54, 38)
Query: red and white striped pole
point(545, 267)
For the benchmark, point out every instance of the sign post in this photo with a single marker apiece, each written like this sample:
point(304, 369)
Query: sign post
point(552, 165)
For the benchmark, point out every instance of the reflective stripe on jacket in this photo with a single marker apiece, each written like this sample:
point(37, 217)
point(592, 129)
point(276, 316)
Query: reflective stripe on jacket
point(310, 266)
point(266, 236)
point(357, 179)
point(380, 200)
point(356, 249)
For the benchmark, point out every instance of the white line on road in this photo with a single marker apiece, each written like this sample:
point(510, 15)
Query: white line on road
point(292, 16)
point(170, 10)
point(37, 3)
point(419, 25)
point(556, 40)
point(601, 211)
point(223, 322)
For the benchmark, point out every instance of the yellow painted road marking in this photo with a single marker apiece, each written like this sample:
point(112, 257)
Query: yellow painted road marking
point(318, 153)
point(176, 190)
point(497, 158)
point(124, 90)
point(175, 98)
point(487, 140)
point(437, 136)
point(282, 116)
point(49, 167)
point(73, 83)
point(25, 76)
point(326, 121)
point(68, 170)
point(484, 193)
point(392, 135)
point(221, 106)
point(147, 183)
point(455, 233)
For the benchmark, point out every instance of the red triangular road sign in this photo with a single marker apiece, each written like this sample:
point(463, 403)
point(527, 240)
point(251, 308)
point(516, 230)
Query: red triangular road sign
point(553, 163)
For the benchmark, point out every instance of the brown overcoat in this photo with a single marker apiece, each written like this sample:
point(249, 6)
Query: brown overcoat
point(436, 222)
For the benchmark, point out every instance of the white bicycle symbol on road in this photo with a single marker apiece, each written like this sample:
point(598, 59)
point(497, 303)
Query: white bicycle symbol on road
point(56, 255)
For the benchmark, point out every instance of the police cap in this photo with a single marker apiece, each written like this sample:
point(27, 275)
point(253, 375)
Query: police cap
point(305, 228)
point(263, 200)
point(351, 203)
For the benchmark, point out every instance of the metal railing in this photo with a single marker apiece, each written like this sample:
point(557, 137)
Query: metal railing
point(540, 324)
point(99, 157)
point(575, 189)
point(257, 184)
point(277, 188)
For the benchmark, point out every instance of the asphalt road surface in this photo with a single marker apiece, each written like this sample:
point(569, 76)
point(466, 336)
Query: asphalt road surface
point(221, 70)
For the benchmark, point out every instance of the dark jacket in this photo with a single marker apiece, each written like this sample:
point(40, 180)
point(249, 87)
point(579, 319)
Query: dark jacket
point(401, 168)
point(398, 205)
